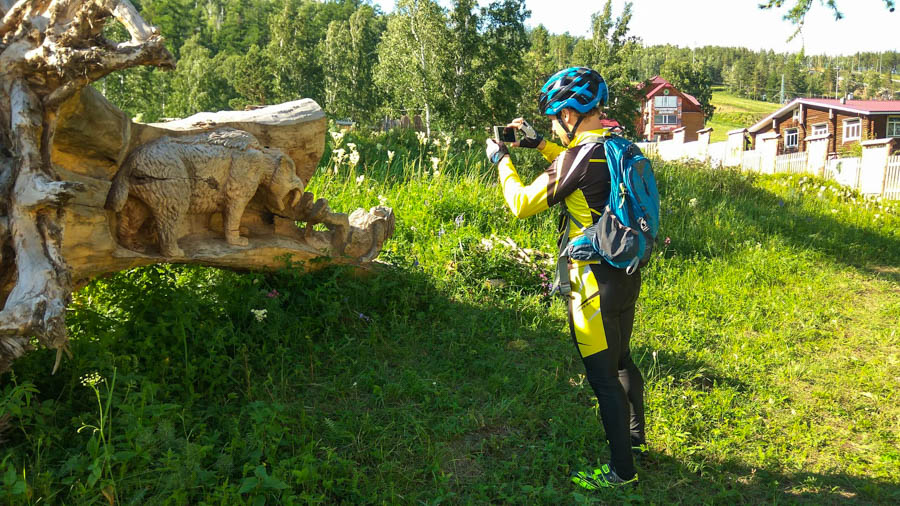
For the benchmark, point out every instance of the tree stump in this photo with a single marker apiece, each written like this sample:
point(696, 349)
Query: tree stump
point(84, 191)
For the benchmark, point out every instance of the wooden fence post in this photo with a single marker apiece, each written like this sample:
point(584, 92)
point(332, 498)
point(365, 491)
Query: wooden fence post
point(817, 153)
point(703, 143)
point(873, 167)
point(767, 147)
point(735, 147)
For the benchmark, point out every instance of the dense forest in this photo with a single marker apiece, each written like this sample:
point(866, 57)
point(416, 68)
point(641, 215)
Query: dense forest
point(466, 66)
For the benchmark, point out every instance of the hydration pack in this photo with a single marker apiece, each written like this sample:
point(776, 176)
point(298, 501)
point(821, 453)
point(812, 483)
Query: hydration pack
point(626, 232)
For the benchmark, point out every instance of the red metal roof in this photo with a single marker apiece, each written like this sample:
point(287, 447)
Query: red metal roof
point(853, 106)
point(657, 83)
point(609, 123)
point(858, 105)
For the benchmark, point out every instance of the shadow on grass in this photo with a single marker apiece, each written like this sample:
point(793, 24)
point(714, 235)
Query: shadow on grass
point(375, 389)
point(767, 214)
point(734, 483)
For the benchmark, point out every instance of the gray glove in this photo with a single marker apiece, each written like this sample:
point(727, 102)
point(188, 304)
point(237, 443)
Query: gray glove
point(495, 151)
point(532, 139)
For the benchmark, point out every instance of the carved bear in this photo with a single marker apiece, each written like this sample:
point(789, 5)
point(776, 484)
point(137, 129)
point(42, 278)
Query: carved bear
point(213, 171)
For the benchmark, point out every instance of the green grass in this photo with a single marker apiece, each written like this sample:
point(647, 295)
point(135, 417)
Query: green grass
point(726, 102)
point(766, 330)
point(735, 112)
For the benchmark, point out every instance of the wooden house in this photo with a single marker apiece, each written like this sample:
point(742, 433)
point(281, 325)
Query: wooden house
point(845, 122)
point(665, 109)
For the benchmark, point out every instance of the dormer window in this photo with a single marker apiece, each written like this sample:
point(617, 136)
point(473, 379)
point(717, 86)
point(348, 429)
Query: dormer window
point(665, 102)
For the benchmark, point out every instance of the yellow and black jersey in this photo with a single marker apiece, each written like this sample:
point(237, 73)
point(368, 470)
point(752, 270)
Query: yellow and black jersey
point(578, 175)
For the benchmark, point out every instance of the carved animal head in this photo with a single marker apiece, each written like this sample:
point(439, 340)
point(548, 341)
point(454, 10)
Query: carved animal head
point(283, 184)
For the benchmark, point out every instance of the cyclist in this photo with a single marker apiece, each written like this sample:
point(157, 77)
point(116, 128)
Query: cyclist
point(602, 301)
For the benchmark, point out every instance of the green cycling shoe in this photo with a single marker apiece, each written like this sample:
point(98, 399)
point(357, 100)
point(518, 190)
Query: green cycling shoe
point(604, 477)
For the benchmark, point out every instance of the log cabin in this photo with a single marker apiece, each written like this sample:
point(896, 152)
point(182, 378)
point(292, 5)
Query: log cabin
point(848, 122)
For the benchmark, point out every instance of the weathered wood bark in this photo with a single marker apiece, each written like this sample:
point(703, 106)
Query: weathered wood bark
point(62, 144)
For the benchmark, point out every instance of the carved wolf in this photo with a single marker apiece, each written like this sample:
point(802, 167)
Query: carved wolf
point(213, 171)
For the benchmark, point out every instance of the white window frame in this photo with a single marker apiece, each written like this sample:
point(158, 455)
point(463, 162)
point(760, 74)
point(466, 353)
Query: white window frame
point(796, 115)
point(789, 134)
point(852, 129)
point(674, 118)
point(893, 121)
point(660, 102)
point(817, 129)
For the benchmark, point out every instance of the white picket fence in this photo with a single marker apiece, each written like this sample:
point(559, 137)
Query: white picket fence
point(844, 171)
point(892, 179)
point(871, 178)
point(794, 163)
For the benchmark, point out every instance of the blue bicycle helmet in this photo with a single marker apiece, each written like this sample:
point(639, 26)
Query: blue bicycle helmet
point(578, 88)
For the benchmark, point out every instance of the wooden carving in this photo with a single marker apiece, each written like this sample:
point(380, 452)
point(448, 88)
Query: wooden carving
point(84, 191)
point(204, 173)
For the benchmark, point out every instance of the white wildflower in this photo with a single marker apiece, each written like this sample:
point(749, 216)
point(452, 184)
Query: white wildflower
point(390, 155)
point(352, 146)
point(693, 202)
point(354, 158)
point(360, 179)
point(259, 314)
point(382, 200)
point(91, 379)
point(422, 137)
point(337, 136)
point(434, 162)
point(436, 142)
point(469, 142)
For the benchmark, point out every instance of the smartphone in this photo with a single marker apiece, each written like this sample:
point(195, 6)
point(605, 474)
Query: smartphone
point(504, 134)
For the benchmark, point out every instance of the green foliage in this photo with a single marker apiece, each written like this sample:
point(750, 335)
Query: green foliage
point(413, 57)
point(692, 79)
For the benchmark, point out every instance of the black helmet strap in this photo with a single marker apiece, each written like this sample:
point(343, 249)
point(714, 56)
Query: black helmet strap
point(569, 134)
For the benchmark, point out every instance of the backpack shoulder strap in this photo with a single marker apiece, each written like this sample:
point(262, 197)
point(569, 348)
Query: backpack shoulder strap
point(561, 282)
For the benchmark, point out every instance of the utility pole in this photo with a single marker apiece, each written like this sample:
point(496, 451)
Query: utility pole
point(837, 73)
point(782, 88)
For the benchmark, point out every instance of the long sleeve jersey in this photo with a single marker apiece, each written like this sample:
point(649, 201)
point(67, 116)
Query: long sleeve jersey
point(577, 175)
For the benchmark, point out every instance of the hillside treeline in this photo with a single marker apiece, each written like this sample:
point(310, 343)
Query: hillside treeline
point(466, 66)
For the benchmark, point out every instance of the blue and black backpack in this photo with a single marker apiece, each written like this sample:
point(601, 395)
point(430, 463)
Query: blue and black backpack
point(626, 232)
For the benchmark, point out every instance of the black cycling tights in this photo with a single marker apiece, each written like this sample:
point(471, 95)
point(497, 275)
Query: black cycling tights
point(602, 291)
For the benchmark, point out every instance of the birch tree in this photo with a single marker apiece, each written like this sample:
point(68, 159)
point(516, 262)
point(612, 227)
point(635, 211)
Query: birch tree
point(413, 57)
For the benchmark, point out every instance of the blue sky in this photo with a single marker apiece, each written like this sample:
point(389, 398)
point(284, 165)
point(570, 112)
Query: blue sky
point(867, 25)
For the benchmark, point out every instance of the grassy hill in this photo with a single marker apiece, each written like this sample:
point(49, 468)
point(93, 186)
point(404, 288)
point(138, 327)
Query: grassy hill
point(735, 112)
point(766, 330)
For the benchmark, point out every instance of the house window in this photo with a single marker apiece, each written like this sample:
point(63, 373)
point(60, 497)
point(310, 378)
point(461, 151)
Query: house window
point(791, 136)
point(852, 129)
point(665, 119)
point(796, 116)
point(893, 126)
point(665, 102)
point(820, 128)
